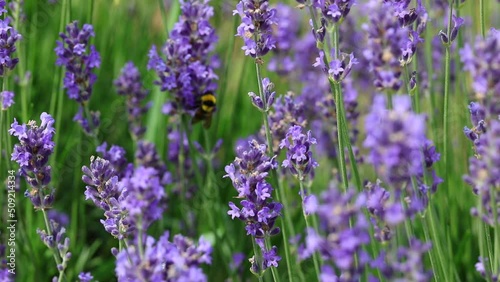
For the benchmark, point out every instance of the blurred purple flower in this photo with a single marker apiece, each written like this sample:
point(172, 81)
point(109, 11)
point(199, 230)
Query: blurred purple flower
point(7, 98)
point(85, 276)
point(32, 154)
point(179, 260)
point(129, 84)
point(285, 36)
point(484, 174)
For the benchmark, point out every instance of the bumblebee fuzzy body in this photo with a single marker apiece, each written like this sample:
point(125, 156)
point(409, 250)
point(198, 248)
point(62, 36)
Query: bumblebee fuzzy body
point(205, 109)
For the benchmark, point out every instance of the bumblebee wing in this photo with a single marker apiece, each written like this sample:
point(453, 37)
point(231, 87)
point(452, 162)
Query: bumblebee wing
point(198, 116)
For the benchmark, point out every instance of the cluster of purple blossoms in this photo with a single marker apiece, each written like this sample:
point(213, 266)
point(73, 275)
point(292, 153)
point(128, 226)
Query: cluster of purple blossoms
point(299, 160)
point(332, 11)
point(57, 241)
point(8, 39)
point(74, 53)
point(129, 84)
point(248, 174)
point(392, 41)
point(395, 139)
point(7, 99)
point(104, 190)
point(163, 260)
point(85, 277)
point(257, 20)
point(116, 155)
point(484, 174)
point(32, 155)
point(483, 64)
point(406, 264)
point(338, 69)
point(188, 69)
point(344, 231)
point(485, 271)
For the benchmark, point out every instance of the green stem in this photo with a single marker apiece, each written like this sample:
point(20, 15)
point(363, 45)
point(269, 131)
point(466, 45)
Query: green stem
point(341, 146)
point(481, 18)
point(446, 108)
point(437, 242)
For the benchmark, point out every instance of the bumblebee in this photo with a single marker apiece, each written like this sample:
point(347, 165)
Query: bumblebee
point(205, 109)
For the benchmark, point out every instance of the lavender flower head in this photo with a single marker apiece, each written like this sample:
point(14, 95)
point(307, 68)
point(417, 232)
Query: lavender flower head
point(74, 53)
point(58, 241)
point(269, 96)
point(483, 64)
point(285, 36)
point(299, 159)
point(105, 192)
point(129, 84)
point(405, 264)
point(343, 233)
point(188, 69)
point(484, 174)
point(163, 260)
point(7, 98)
point(395, 139)
point(333, 11)
point(32, 154)
point(79, 59)
point(85, 276)
point(257, 19)
point(8, 39)
point(248, 173)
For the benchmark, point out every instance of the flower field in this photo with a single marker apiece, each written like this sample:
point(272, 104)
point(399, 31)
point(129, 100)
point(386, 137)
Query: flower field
point(196, 140)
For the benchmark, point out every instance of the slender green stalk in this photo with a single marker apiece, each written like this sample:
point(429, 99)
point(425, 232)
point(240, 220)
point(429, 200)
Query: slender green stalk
point(437, 242)
point(447, 94)
point(481, 18)
point(341, 146)
point(49, 231)
point(431, 253)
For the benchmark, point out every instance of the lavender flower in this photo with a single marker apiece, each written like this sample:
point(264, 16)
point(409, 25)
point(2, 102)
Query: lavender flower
point(269, 96)
point(299, 159)
point(395, 139)
point(406, 264)
point(248, 173)
point(333, 11)
point(57, 240)
point(7, 98)
point(85, 277)
point(106, 193)
point(257, 19)
point(143, 197)
point(116, 155)
point(147, 156)
point(188, 70)
point(484, 174)
point(74, 53)
point(32, 155)
point(8, 39)
point(338, 69)
point(343, 233)
point(457, 23)
point(129, 84)
point(163, 260)
point(482, 62)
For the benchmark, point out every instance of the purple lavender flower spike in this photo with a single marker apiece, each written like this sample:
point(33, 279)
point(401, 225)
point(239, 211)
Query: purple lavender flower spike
point(482, 61)
point(188, 68)
point(104, 190)
point(257, 19)
point(7, 99)
point(333, 11)
point(79, 59)
point(32, 154)
point(129, 84)
point(9, 37)
point(343, 233)
point(248, 173)
point(179, 260)
point(484, 173)
point(58, 241)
